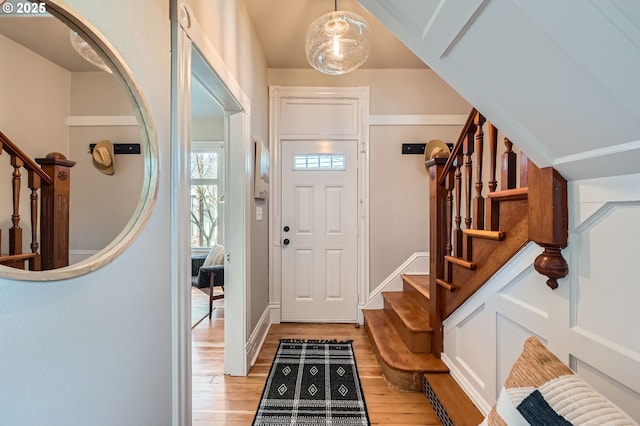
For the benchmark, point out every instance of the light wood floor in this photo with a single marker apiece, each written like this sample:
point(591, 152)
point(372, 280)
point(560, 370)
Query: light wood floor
point(224, 400)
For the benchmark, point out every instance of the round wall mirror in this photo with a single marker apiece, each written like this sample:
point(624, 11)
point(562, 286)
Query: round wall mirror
point(78, 164)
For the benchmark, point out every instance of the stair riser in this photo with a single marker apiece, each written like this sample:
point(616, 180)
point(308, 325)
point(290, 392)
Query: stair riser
point(417, 342)
point(417, 297)
point(407, 381)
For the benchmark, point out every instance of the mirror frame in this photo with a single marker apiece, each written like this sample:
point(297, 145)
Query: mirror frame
point(62, 11)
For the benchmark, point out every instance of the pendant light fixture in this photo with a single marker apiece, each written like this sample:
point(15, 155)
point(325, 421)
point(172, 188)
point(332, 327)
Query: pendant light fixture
point(85, 50)
point(338, 42)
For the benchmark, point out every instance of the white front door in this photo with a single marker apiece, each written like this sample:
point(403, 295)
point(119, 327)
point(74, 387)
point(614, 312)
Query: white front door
point(319, 230)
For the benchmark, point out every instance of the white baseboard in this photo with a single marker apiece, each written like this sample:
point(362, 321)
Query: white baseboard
point(258, 336)
point(76, 256)
point(478, 400)
point(416, 264)
point(274, 308)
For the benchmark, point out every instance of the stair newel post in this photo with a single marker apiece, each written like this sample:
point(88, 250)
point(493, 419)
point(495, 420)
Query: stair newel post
point(478, 200)
point(15, 232)
point(34, 185)
point(548, 221)
point(437, 250)
point(54, 223)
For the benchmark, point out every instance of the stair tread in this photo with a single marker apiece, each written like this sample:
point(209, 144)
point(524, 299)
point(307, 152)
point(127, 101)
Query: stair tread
point(460, 409)
point(412, 316)
point(419, 282)
point(392, 348)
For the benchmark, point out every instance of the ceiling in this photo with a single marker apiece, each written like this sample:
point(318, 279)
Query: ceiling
point(281, 26)
point(46, 36)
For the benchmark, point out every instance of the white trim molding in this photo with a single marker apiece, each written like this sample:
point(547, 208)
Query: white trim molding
point(276, 93)
point(416, 264)
point(418, 120)
point(258, 336)
point(101, 120)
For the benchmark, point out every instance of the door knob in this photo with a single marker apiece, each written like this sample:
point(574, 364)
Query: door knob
point(285, 241)
point(285, 229)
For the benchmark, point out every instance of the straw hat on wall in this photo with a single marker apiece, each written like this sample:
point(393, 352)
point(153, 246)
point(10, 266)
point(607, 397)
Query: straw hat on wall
point(103, 157)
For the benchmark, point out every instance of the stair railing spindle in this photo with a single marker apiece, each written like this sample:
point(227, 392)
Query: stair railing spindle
point(478, 201)
point(34, 185)
point(457, 233)
point(508, 180)
point(15, 233)
point(468, 173)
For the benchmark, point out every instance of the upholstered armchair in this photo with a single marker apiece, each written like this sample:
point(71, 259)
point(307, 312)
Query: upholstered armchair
point(211, 274)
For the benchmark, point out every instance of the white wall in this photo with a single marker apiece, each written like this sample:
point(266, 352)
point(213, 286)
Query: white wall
point(398, 184)
point(588, 322)
point(101, 205)
point(227, 26)
point(96, 349)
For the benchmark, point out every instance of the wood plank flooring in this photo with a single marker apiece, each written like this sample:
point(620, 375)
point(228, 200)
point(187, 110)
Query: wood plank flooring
point(225, 400)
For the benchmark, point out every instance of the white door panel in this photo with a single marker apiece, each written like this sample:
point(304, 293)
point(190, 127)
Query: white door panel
point(319, 251)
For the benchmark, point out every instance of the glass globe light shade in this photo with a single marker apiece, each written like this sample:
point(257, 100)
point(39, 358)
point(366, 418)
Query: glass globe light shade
point(85, 50)
point(338, 42)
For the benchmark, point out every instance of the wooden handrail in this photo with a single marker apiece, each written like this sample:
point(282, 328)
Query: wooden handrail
point(12, 149)
point(49, 184)
point(473, 234)
point(468, 126)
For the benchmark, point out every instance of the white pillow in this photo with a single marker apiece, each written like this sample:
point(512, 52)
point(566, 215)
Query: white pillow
point(215, 256)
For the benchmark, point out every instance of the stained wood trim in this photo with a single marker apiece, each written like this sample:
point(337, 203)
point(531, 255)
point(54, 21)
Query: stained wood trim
point(446, 285)
point(509, 194)
point(487, 235)
point(12, 149)
point(461, 262)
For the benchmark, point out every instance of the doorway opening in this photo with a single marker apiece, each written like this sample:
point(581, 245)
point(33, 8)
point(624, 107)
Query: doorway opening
point(198, 67)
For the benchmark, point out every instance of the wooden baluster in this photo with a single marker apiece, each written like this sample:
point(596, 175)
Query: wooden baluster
point(524, 166)
point(508, 180)
point(34, 185)
point(493, 153)
point(478, 201)
point(457, 232)
point(449, 185)
point(492, 221)
point(468, 180)
point(15, 233)
point(468, 177)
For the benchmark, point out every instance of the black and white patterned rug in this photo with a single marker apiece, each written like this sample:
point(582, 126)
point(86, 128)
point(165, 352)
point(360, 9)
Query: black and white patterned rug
point(313, 382)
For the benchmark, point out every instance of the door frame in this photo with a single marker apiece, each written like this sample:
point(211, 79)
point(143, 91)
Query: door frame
point(276, 93)
point(195, 55)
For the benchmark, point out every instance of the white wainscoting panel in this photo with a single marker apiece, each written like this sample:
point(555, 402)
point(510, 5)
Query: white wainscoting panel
point(589, 322)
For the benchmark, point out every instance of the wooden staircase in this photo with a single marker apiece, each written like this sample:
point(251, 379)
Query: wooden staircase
point(48, 182)
point(401, 337)
point(465, 252)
